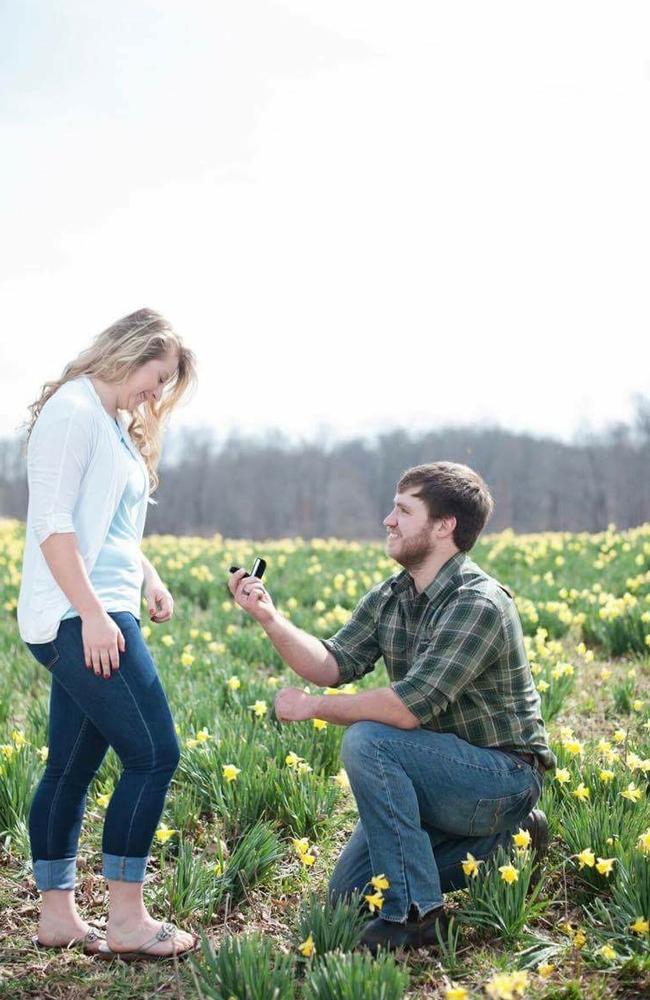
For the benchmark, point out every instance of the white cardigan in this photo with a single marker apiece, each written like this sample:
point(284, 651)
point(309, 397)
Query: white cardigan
point(76, 479)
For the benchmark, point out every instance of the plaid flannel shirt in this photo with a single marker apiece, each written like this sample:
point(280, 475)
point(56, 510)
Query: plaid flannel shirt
point(455, 655)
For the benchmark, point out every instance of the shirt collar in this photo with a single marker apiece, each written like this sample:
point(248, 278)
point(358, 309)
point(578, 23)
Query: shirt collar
point(403, 582)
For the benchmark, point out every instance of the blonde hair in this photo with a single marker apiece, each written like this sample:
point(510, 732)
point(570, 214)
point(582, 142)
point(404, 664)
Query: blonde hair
point(115, 355)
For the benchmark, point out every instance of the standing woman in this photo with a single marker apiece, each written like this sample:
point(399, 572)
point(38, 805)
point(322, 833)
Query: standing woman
point(94, 444)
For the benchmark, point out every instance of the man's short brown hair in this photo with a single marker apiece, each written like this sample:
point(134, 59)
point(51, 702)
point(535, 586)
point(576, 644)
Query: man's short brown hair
point(448, 488)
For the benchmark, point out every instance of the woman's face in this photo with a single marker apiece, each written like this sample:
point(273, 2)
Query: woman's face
point(147, 382)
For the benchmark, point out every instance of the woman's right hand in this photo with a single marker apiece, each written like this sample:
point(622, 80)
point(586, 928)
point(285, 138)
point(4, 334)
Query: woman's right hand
point(103, 642)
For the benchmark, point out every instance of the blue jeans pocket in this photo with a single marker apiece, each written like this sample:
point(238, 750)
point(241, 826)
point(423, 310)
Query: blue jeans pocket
point(44, 653)
point(493, 815)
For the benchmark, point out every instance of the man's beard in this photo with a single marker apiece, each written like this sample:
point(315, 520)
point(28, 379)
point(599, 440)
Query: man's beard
point(415, 551)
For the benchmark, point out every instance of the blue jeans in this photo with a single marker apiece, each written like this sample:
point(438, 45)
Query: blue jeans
point(89, 713)
point(425, 799)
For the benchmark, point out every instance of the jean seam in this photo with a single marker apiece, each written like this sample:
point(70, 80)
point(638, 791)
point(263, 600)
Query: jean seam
point(395, 824)
point(153, 753)
point(455, 760)
point(59, 784)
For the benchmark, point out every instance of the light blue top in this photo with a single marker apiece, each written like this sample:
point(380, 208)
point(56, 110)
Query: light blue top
point(116, 576)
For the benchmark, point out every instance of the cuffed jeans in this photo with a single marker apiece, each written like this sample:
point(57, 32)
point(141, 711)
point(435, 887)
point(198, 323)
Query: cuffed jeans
point(425, 800)
point(88, 713)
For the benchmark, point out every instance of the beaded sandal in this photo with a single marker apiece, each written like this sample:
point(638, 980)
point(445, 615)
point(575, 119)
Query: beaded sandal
point(166, 932)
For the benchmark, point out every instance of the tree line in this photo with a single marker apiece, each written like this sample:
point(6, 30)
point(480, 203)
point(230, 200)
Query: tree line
point(250, 488)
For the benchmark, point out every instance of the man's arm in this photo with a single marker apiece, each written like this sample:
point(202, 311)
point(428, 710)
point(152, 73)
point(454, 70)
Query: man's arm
point(305, 654)
point(348, 655)
point(378, 705)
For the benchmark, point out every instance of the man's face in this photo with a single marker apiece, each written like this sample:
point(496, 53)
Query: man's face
point(410, 539)
point(147, 382)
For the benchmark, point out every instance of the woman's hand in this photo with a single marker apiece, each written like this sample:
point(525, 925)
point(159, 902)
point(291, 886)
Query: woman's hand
point(159, 601)
point(103, 642)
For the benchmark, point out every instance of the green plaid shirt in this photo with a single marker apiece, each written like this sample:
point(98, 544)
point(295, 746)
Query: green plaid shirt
point(455, 655)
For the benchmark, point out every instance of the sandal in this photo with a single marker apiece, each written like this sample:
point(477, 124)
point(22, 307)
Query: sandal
point(92, 937)
point(166, 932)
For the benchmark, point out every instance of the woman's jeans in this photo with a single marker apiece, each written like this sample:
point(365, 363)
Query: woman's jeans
point(425, 800)
point(89, 713)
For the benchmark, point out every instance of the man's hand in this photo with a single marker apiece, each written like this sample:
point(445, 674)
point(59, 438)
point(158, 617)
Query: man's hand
point(293, 705)
point(159, 602)
point(250, 594)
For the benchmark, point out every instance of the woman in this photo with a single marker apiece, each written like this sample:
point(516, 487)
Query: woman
point(90, 472)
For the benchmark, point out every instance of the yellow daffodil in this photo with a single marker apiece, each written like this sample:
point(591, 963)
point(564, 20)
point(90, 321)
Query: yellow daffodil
point(581, 792)
point(307, 859)
point(522, 838)
point(456, 993)
point(302, 767)
point(292, 759)
point(43, 753)
point(187, 659)
point(167, 640)
point(586, 857)
point(604, 866)
point(375, 901)
point(562, 775)
point(573, 747)
point(230, 772)
point(619, 736)
point(319, 724)
point(380, 882)
point(260, 708)
point(579, 939)
point(164, 833)
point(643, 843)
point(606, 776)
point(545, 970)
point(103, 799)
point(640, 926)
point(273, 681)
point(342, 779)
point(307, 947)
point(607, 952)
point(632, 792)
point(470, 866)
point(509, 873)
point(233, 683)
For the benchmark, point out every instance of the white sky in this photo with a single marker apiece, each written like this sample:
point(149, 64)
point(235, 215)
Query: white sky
point(358, 213)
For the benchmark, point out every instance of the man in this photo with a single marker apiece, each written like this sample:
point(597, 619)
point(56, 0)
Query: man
point(449, 757)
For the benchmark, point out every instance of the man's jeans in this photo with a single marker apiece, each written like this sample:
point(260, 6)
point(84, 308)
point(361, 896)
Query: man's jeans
point(129, 712)
point(425, 800)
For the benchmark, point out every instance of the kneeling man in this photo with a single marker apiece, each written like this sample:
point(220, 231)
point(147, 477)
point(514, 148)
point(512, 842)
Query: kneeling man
point(449, 757)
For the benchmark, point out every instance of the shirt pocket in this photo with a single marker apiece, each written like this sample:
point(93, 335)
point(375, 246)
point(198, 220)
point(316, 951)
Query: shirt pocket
point(45, 653)
point(494, 815)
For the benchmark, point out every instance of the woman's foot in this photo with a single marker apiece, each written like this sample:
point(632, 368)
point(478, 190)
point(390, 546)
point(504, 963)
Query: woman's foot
point(131, 937)
point(62, 932)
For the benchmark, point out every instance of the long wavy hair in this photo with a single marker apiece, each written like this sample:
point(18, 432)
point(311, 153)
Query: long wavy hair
point(114, 356)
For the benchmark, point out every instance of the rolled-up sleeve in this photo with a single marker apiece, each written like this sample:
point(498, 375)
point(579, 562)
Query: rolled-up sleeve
point(355, 647)
point(57, 457)
point(465, 640)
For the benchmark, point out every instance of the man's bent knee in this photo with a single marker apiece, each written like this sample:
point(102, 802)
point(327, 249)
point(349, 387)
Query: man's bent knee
point(358, 737)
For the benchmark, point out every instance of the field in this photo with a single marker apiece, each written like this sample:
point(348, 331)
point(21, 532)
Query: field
point(258, 811)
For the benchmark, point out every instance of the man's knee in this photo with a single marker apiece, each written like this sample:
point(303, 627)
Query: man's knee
point(358, 738)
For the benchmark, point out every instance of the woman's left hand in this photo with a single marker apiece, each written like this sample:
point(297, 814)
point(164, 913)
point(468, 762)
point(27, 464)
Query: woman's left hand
point(159, 602)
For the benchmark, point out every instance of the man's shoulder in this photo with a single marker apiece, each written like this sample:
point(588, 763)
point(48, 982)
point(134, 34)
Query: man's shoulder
point(473, 582)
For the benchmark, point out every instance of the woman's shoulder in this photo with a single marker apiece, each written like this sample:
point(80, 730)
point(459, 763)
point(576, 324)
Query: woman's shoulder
point(72, 395)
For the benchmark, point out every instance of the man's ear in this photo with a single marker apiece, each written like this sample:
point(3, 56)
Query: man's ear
point(447, 526)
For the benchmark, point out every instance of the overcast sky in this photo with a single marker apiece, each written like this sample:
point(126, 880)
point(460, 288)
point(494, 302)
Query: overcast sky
point(359, 214)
